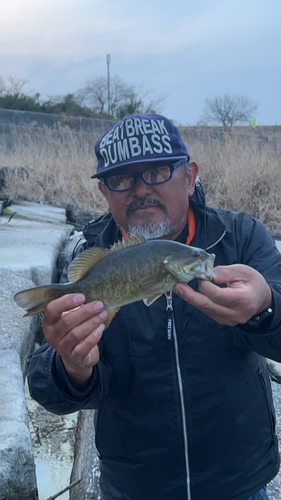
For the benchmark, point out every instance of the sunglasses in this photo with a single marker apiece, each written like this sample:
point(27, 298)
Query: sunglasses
point(151, 176)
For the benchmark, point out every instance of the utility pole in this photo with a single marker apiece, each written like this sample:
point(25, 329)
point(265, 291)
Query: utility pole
point(108, 61)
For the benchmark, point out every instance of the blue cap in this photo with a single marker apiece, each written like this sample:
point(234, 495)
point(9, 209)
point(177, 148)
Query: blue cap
point(139, 139)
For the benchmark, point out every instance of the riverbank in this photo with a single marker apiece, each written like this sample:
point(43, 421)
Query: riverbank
point(32, 238)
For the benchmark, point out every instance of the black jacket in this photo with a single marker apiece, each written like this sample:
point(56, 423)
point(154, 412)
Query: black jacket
point(198, 403)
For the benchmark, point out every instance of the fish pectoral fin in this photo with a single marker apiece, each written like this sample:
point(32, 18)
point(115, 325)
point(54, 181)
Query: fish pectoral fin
point(151, 299)
point(84, 262)
point(111, 315)
point(153, 281)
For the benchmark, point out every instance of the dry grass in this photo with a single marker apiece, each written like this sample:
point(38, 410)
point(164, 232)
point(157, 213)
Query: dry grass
point(243, 174)
point(51, 167)
point(239, 172)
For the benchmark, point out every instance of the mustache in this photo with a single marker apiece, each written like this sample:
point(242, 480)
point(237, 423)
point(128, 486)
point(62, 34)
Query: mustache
point(144, 202)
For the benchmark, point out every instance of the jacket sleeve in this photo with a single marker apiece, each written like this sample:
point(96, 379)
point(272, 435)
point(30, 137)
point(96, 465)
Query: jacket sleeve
point(49, 383)
point(260, 252)
point(50, 386)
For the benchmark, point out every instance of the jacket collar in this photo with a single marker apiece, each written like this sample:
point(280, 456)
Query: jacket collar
point(210, 229)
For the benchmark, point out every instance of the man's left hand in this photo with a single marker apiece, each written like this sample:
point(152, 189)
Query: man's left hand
point(246, 293)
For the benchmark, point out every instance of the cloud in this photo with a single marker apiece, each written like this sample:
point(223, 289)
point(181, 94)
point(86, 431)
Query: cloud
point(189, 50)
point(90, 28)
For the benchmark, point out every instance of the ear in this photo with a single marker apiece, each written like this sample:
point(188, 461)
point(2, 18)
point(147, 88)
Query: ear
point(104, 191)
point(193, 172)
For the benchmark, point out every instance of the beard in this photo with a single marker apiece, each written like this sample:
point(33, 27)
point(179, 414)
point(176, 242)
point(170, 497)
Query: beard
point(150, 230)
point(145, 227)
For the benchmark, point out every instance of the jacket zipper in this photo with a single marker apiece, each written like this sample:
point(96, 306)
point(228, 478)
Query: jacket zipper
point(169, 309)
point(171, 330)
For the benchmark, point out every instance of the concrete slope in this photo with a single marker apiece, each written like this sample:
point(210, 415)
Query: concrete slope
point(28, 255)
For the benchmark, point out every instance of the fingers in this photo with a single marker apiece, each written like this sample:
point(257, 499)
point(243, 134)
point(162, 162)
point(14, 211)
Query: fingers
point(207, 305)
point(55, 308)
point(88, 350)
point(235, 273)
point(245, 293)
point(246, 285)
point(74, 329)
point(70, 314)
point(220, 313)
point(77, 324)
point(81, 338)
point(84, 355)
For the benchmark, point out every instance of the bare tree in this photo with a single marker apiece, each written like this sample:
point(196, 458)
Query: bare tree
point(124, 98)
point(95, 94)
point(228, 110)
point(13, 85)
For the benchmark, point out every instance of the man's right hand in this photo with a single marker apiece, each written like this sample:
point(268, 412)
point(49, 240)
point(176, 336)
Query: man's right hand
point(74, 329)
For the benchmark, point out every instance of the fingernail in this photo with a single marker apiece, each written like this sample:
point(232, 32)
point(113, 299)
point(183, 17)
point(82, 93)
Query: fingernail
point(103, 314)
point(78, 299)
point(99, 331)
point(97, 306)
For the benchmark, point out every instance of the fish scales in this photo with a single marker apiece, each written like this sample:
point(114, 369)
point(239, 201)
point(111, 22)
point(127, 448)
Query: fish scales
point(116, 278)
point(132, 270)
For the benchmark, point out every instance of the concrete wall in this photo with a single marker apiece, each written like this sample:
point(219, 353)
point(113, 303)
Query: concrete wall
point(28, 255)
point(10, 118)
point(86, 462)
point(18, 123)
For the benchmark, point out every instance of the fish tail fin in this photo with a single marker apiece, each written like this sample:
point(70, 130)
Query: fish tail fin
point(34, 300)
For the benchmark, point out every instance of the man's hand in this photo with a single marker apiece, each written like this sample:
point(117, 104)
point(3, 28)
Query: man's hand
point(246, 293)
point(73, 329)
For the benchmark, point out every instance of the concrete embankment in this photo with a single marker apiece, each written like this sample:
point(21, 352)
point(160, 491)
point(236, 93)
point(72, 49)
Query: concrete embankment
point(30, 243)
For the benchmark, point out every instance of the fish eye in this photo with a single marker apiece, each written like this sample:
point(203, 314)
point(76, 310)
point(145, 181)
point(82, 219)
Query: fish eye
point(195, 254)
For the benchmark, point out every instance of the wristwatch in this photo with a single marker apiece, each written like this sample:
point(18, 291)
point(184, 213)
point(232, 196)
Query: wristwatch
point(262, 319)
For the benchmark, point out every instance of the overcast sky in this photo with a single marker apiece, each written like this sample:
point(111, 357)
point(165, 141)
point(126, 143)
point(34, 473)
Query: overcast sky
point(188, 50)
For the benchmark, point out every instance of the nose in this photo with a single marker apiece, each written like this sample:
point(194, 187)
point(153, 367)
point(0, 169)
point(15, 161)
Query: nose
point(141, 189)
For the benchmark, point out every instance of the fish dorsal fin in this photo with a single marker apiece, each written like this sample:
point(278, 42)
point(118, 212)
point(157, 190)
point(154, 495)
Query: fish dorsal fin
point(84, 262)
point(131, 241)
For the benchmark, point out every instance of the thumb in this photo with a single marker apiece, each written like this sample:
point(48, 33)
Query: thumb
point(234, 272)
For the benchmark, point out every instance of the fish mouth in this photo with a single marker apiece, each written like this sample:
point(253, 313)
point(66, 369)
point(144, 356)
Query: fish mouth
point(203, 270)
point(207, 269)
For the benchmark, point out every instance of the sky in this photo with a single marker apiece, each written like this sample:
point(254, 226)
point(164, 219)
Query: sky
point(182, 50)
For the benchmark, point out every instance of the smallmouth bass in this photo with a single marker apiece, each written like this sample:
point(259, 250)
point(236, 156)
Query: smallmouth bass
point(133, 269)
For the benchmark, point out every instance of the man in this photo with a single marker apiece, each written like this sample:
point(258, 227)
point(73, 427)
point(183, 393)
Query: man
point(187, 416)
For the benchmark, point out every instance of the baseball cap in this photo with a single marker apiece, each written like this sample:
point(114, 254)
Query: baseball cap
point(139, 139)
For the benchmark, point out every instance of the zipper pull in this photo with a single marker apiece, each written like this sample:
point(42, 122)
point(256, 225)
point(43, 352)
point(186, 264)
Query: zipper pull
point(169, 309)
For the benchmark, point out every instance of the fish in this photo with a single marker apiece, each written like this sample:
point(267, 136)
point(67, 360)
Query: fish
point(131, 270)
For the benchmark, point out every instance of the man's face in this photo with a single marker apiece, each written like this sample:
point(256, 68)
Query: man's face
point(154, 211)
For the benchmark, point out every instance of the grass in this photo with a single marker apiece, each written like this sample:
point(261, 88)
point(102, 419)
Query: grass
point(53, 167)
point(239, 171)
